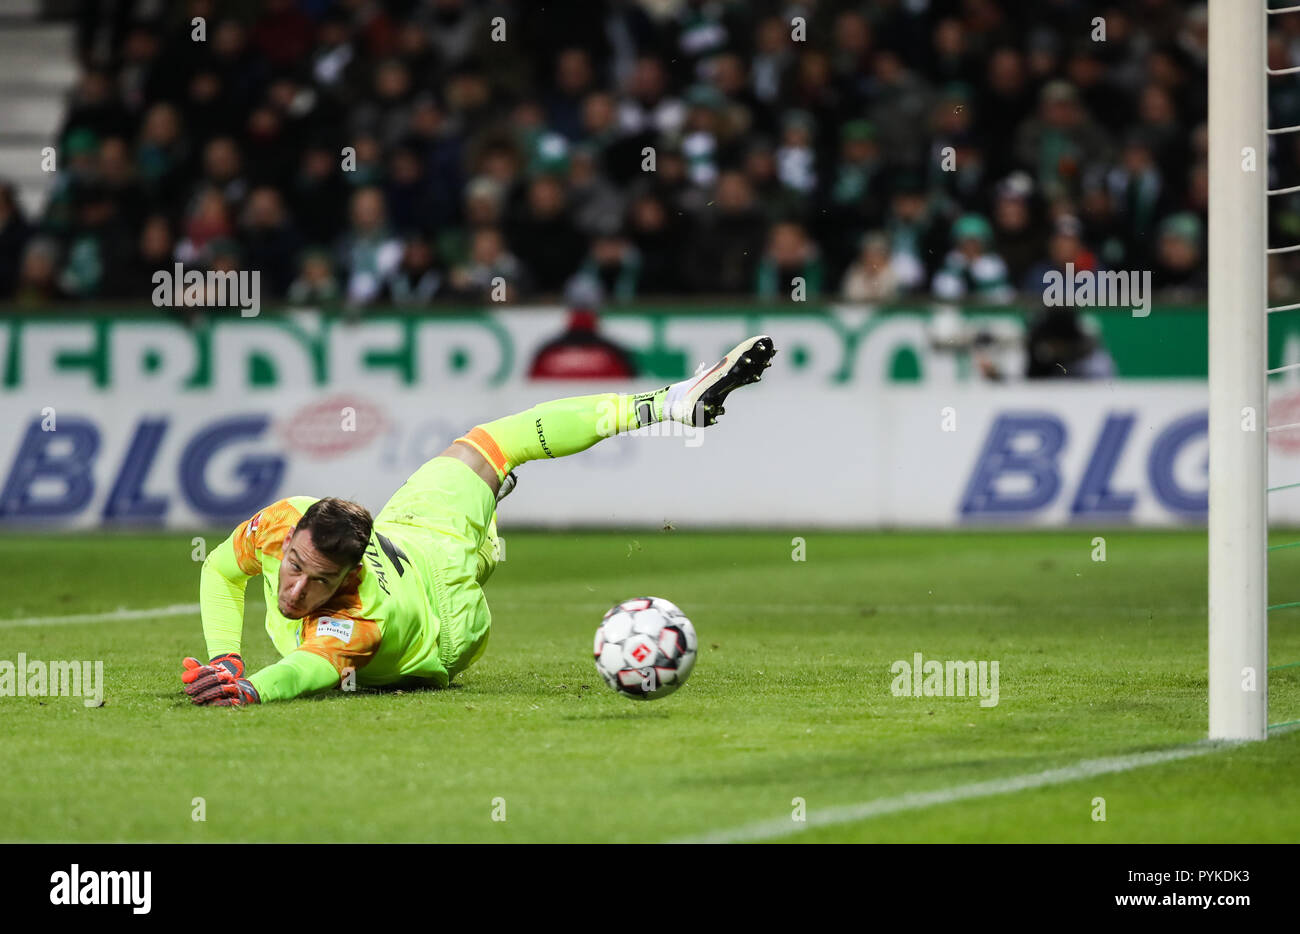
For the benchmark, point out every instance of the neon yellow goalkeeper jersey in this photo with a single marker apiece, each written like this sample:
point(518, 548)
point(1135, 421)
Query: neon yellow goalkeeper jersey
point(385, 626)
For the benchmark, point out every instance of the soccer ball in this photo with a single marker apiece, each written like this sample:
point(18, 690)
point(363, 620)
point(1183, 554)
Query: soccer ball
point(645, 648)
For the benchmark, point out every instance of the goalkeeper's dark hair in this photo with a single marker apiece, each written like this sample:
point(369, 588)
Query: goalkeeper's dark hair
point(340, 530)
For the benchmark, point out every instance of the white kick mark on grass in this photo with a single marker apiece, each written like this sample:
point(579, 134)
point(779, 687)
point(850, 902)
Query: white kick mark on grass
point(914, 801)
point(179, 609)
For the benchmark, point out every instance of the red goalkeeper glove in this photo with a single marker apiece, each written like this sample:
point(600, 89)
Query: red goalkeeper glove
point(231, 662)
point(216, 685)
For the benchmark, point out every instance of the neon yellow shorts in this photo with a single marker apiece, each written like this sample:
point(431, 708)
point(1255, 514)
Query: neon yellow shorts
point(449, 500)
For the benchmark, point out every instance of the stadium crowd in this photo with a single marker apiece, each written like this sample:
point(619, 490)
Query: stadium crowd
point(392, 152)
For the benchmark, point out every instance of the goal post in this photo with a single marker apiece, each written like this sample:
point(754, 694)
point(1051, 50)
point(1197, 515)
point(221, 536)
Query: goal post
point(1238, 400)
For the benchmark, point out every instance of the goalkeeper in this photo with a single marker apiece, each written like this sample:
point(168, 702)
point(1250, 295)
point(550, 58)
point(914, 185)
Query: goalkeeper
point(398, 600)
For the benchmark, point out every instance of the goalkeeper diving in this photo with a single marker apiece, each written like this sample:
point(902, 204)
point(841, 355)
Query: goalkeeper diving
point(398, 600)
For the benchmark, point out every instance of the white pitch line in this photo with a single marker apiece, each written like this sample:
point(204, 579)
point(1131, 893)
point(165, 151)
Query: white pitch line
point(915, 801)
point(879, 609)
point(185, 609)
point(111, 616)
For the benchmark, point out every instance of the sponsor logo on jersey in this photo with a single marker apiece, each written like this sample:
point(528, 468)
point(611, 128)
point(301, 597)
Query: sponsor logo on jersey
point(340, 629)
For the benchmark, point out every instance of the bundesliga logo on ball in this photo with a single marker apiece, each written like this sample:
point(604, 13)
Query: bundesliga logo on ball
point(645, 648)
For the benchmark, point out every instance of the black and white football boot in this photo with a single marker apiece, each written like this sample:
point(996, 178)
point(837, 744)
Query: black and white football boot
point(698, 401)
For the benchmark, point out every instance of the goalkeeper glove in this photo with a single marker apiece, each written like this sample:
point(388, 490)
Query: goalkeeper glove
point(231, 662)
point(216, 685)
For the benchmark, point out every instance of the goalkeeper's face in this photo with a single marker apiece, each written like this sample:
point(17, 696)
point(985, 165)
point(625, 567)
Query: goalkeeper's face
point(308, 579)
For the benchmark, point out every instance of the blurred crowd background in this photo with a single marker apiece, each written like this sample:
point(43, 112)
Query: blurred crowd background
point(389, 152)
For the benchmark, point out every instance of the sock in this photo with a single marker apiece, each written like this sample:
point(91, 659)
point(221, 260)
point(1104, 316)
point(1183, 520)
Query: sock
point(563, 427)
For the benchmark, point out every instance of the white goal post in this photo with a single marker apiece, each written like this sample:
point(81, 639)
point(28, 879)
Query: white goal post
point(1238, 335)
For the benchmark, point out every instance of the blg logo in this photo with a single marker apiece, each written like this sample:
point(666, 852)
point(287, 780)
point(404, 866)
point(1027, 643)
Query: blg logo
point(1018, 471)
point(52, 475)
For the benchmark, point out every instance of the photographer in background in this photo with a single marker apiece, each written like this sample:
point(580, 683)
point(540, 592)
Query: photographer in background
point(1060, 344)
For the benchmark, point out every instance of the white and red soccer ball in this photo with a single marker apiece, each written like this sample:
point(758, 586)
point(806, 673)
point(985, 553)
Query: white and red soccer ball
point(645, 648)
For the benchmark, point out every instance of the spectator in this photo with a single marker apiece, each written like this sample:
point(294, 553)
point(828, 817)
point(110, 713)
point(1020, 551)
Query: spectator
point(269, 147)
point(872, 276)
point(154, 251)
point(598, 205)
point(222, 255)
point(318, 195)
point(1060, 346)
point(98, 245)
point(772, 57)
point(729, 75)
point(208, 219)
point(791, 265)
point(410, 206)
point(316, 282)
point(368, 251)
point(490, 272)
point(1163, 131)
point(38, 274)
point(138, 74)
point(1137, 189)
point(658, 240)
point(544, 238)
point(116, 172)
point(773, 198)
point(209, 112)
point(1017, 228)
point(470, 102)
point(812, 92)
point(728, 236)
point(223, 170)
point(1179, 273)
point(1060, 141)
point(1004, 103)
point(850, 61)
point(599, 121)
point(612, 270)
point(452, 27)
point(363, 167)
point(272, 243)
point(443, 154)
point(14, 234)
point(581, 353)
point(162, 155)
point(385, 114)
point(1066, 247)
point(417, 280)
point(956, 161)
point(95, 107)
point(953, 59)
point(243, 72)
point(702, 139)
point(898, 105)
point(971, 269)
point(916, 232)
point(856, 193)
point(574, 80)
point(796, 162)
point(648, 108)
point(283, 34)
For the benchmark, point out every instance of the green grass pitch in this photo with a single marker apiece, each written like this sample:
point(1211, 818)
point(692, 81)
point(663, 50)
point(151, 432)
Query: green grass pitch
point(790, 699)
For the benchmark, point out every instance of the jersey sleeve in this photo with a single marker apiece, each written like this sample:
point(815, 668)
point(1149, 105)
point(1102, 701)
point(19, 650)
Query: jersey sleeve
point(296, 674)
point(330, 645)
point(264, 533)
point(221, 600)
point(342, 641)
